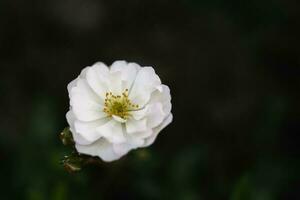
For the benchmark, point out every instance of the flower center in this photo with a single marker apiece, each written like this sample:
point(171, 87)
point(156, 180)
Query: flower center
point(118, 105)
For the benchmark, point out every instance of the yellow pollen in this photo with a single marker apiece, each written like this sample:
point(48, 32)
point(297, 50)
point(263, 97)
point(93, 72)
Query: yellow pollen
point(119, 105)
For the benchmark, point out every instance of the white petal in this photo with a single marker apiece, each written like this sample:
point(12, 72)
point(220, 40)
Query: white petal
point(70, 118)
point(156, 130)
point(118, 65)
point(83, 89)
point(139, 114)
point(136, 125)
point(133, 141)
point(122, 149)
point(163, 96)
point(160, 88)
point(155, 115)
point(88, 130)
point(76, 136)
point(143, 134)
point(145, 83)
point(115, 84)
point(73, 83)
point(98, 78)
point(137, 139)
point(128, 72)
point(112, 131)
point(100, 148)
point(85, 104)
point(85, 113)
point(83, 73)
point(160, 96)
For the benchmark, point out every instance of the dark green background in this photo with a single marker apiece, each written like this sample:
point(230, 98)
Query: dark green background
point(233, 68)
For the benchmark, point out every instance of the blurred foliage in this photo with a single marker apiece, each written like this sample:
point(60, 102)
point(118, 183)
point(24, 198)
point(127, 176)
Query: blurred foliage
point(233, 68)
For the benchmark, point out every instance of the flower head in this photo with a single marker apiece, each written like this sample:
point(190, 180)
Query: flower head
point(116, 109)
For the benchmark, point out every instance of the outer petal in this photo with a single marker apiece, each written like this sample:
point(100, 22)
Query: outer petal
point(145, 83)
point(101, 148)
point(122, 149)
point(133, 141)
point(74, 82)
point(156, 130)
point(155, 115)
point(87, 130)
point(128, 72)
point(85, 103)
point(139, 114)
point(112, 131)
point(137, 139)
point(142, 135)
point(133, 126)
point(76, 136)
point(71, 85)
point(163, 96)
point(98, 78)
point(118, 65)
point(115, 84)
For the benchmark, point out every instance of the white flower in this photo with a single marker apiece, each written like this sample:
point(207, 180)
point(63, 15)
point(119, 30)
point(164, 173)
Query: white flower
point(116, 109)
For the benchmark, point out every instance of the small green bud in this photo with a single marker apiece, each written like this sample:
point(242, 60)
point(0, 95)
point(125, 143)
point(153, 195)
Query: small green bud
point(73, 163)
point(66, 137)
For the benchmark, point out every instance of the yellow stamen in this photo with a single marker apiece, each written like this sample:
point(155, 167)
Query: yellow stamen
point(119, 105)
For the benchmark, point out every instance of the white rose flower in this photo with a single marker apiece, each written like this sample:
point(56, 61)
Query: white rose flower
point(116, 109)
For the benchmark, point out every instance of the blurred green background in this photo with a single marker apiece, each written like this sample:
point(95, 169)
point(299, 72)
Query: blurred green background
point(233, 68)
